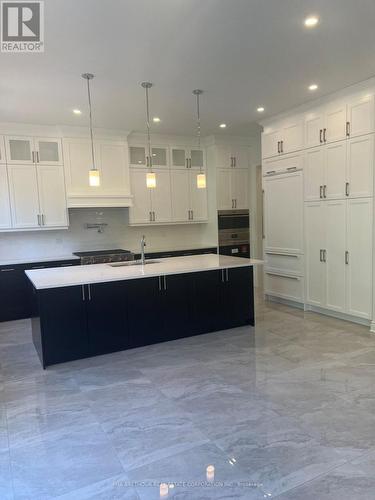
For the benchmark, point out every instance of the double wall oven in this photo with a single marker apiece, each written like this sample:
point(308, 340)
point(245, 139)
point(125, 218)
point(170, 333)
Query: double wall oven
point(234, 232)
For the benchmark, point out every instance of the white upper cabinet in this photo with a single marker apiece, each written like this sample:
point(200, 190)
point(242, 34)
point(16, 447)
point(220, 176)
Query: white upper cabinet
point(161, 204)
point(198, 200)
point(2, 151)
point(140, 212)
point(271, 137)
point(185, 157)
point(180, 182)
point(284, 137)
point(314, 174)
point(224, 189)
point(139, 157)
point(5, 214)
point(335, 171)
point(360, 116)
point(24, 196)
point(314, 126)
point(112, 162)
point(52, 198)
point(335, 122)
point(360, 166)
point(33, 150)
point(232, 189)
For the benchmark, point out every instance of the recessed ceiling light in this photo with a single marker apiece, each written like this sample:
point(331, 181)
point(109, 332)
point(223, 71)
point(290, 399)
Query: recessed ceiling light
point(156, 119)
point(311, 21)
point(260, 109)
point(77, 111)
point(313, 86)
point(223, 125)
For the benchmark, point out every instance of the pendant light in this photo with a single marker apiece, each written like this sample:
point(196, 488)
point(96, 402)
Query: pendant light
point(94, 174)
point(201, 177)
point(150, 176)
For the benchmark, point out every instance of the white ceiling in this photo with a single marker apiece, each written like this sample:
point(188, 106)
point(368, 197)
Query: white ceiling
point(243, 53)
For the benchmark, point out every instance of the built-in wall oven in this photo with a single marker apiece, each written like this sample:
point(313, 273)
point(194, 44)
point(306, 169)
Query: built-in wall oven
point(234, 232)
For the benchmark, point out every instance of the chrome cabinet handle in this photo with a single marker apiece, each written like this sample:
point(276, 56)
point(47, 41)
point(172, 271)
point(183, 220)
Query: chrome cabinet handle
point(227, 274)
point(147, 165)
point(324, 255)
point(37, 156)
point(324, 135)
point(321, 255)
point(165, 282)
point(291, 169)
point(7, 270)
point(83, 293)
point(270, 172)
point(150, 216)
point(325, 191)
point(222, 276)
point(278, 146)
point(43, 220)
point(192, 215)
point(297, 278)
point(154, 216)
point(347, 129)
point(320, 136)
point(159, 283)
point(39, 220)
point(33, 156)
point(347, 188)
point(235, 161)
point(346, 257)
point(320, 192)
point(282, 146)
point(89, 289)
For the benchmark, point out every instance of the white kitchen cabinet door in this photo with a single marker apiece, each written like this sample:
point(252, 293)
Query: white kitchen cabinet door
point(224, 157)
point(360, 166)
point(335, 236)
point(52, 198)
point(77, 153)
point(359, 257)
point(292, 135)
point(19, 150)
point(48, 151)
point(24, 196)
point(271, 137)
point(314, 125)
point(2, 151)
point(335, 122)
point(161, 203)
point(283, 200)
point(179, 157)
point(180, 195)
point(140, 212)
point(240, 187)
point(335, 170)
point(137, 156)
point(224, 189)
point(361, 116)
point(160, 157)
point(314, 173)
point(315, 244)
point(241, 155)
point(5, 214)
point(196, 158)
point(198, 200)
point(112, 161)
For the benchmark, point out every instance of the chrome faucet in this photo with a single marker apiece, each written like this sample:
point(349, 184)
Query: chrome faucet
point(143, 244)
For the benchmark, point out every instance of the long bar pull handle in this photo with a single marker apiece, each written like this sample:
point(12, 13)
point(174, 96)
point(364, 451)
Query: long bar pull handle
point(263, 234)
point(227, 274)
point(324, 255)
point(347, 188)
point(222, 276)
point(278, 147)
point(38, 217)
point(347, 129)
point(320, 136)
point(83, 293)
point(7, 270)
point(37, 156)
point(192, 215)
point(346, 257)
point(165, 282)
point(89, 288)
point(324, 135)
point(325, 191)
point(282, 146)
point(320, 192)
point(159, 283)
point(321, 255)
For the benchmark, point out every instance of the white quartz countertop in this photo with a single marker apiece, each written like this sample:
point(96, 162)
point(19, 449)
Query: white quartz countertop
point(102, 273)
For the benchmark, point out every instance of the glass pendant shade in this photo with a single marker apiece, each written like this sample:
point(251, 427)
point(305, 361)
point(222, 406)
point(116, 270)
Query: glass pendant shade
point(151, 180)
point(94, 177)
point(201, 181)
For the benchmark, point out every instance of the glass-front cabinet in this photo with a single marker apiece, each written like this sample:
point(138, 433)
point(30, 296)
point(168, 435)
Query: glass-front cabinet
point(22, 150)
point(182, 157)
point(139, 157)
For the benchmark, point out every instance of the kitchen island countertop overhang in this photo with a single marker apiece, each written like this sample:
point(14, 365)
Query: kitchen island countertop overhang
point(103, 273)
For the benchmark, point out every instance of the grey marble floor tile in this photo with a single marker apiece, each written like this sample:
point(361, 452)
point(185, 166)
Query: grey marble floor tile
point(114, 488)
point(352, 481)
point(6, 484)
point(186, 471)
point(57, 466)
point(279, 454)
point(108, 374)
point(143, 435)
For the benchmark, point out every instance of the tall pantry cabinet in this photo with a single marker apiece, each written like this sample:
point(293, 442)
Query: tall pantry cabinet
point(335, 209)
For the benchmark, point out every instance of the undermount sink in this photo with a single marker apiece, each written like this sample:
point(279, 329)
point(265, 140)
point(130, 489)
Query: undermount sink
point(133, 263)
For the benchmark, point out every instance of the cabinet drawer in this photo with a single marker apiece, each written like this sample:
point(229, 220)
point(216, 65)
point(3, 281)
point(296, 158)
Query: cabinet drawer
point(284, 286)
point(289, 264)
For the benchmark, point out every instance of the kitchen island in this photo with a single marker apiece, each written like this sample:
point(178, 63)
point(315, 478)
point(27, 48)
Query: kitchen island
point(85, 311)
